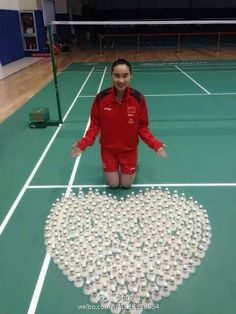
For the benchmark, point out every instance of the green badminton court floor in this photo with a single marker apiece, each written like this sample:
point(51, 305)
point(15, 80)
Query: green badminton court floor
point(192, 108)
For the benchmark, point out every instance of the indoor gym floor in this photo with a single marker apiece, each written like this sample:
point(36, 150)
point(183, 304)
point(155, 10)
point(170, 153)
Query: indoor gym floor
point(191, 108)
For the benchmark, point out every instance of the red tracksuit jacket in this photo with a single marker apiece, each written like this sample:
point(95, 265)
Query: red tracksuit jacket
point(120, 124)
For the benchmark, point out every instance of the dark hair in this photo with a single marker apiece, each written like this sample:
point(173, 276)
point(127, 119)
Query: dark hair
point(121, 61)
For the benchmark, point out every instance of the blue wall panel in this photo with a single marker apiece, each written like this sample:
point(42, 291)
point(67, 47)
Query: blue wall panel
point(41, 30)
point(11, 47)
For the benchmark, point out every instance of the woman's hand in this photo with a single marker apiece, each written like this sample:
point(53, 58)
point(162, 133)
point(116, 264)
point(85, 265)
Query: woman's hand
point(75, 151)
point(161, 151)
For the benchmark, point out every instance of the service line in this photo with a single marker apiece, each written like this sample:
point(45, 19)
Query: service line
point(76, 186)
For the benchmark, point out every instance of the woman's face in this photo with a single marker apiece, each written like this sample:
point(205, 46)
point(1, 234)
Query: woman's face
point(121, 77)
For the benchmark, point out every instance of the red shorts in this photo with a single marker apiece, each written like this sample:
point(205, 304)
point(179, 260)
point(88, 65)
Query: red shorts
point(125, 161)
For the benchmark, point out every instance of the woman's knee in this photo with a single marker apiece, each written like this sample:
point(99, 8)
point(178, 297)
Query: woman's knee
point(113, 185)
point(126, 180)
point(112, 179)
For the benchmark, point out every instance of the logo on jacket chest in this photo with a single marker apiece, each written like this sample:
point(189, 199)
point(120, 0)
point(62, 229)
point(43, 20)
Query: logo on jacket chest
point(131, 113)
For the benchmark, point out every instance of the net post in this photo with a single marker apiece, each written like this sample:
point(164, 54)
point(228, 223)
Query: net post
point(178, 44)
point(54, 67)
point(218, 42)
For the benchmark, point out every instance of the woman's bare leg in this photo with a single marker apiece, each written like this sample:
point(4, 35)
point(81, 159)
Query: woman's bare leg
point(113, 179)
point(126, 180)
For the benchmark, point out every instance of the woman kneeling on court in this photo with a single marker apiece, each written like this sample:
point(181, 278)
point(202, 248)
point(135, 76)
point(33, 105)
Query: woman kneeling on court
point(119, 113)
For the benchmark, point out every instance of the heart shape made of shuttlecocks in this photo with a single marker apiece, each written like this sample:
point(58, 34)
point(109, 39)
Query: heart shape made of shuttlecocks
point(127, 252)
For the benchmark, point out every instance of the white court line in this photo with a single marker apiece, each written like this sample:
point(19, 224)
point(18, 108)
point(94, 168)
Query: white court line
point(184, 63)
point(174, 95)
point(31, 187)
point(46, 262)
point(193, 94)
point(193, 68)
point(39, 284)
point(20, 195)
point(193, 80)
point(188, 184)
point(213, 184)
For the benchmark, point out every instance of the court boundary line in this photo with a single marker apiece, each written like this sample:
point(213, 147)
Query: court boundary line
point(159, 71)
point(202, 64)
point(43, 272)
point(174, 95)
point(189, 64)
point(188, 76)
point(213, 184)
point(190, 94)
point(39, 284)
